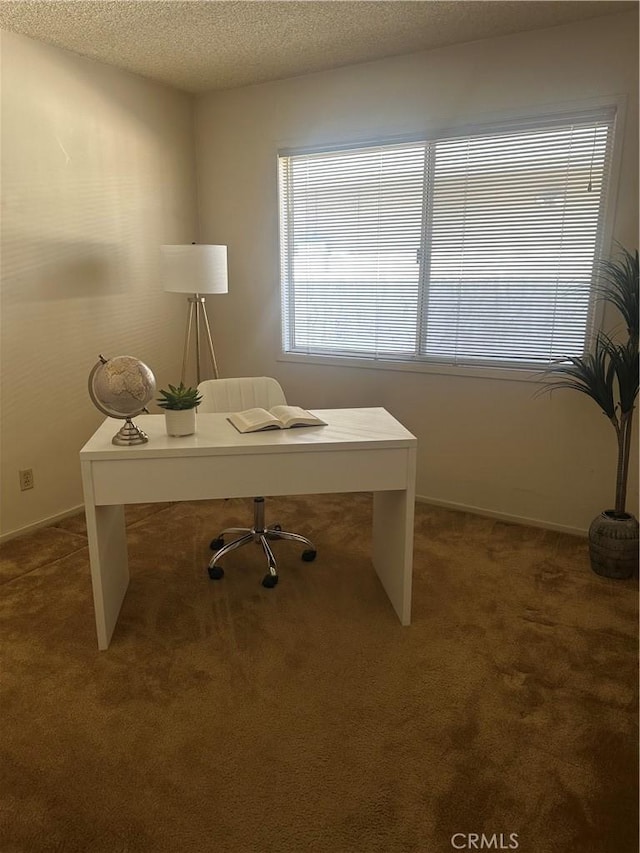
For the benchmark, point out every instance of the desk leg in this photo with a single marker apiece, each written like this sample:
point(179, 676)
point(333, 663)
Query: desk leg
point(109, 566)
point(393, 515)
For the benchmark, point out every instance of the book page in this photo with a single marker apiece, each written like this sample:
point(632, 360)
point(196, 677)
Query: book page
point(295, 416)
point(252, 420)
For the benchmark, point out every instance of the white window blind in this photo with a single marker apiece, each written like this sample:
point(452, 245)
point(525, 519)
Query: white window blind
point(474, 249)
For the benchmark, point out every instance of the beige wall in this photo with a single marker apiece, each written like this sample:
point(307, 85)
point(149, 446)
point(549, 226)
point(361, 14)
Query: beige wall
point(97, 172)
point(483, 443)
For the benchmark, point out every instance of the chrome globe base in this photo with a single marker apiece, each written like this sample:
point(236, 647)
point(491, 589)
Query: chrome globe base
point(129, 434)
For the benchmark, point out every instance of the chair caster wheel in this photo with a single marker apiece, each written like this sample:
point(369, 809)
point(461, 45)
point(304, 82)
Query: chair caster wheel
point(269, 581)
point(215, 573)
point(309, 556)
point(216, 544)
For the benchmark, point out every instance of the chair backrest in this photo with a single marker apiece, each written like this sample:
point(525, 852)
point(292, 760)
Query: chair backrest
point(235, 395)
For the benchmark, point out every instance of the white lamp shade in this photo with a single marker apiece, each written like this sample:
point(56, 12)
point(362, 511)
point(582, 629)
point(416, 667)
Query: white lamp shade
point(194, 269)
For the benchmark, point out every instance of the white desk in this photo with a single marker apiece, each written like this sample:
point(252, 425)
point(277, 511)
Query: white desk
point(360, 450)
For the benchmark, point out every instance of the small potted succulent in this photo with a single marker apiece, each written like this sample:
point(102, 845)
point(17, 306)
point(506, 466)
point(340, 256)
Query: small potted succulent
point(180, 408)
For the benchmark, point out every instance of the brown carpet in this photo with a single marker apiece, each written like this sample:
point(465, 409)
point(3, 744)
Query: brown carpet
point(227, 717)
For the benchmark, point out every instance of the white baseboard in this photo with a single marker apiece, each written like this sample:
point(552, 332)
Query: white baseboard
point(44, 522)
point(504, 516)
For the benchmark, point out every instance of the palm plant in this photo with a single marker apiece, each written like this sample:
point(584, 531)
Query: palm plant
point(609, 373)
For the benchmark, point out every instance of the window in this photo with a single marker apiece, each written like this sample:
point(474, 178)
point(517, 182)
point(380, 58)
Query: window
point(462, 249)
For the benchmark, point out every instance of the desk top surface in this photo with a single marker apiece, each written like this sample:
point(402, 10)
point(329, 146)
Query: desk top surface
point(368, 428)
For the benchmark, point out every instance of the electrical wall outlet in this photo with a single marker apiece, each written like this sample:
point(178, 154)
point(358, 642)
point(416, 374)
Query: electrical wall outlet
point(26, 479)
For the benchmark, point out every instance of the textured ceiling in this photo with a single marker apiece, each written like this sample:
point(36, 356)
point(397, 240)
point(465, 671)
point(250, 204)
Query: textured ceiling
point(201, 45)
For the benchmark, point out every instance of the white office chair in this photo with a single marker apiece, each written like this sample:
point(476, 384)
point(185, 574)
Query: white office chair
point(235, 395)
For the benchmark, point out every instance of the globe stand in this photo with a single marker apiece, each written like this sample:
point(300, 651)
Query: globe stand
point(129, 434)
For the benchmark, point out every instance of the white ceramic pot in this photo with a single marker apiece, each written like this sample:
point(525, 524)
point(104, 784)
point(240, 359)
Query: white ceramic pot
point(180, 421)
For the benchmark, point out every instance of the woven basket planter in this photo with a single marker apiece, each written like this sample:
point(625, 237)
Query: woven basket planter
point(613, 545)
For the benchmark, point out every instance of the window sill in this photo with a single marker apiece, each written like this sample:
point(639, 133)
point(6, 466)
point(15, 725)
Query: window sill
point(511, 374)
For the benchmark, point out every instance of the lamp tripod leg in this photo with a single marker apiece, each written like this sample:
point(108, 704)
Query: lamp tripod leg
point(199, 307)
point(210, 340)
point(187, 341)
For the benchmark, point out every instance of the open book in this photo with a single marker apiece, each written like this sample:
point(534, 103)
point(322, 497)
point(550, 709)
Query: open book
point(279, 417)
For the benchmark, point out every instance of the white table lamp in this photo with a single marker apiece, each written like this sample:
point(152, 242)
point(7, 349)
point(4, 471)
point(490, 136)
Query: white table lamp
point(197, 270)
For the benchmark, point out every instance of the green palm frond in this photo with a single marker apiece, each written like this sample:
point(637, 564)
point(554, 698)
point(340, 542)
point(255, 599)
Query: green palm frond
point(624, 358)
point(591, 374)
point(609, 374)
point(619, 285)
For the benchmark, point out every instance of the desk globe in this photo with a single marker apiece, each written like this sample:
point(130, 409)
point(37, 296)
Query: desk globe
point(121, 387)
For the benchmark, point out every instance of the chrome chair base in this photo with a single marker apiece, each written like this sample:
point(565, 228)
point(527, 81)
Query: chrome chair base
point(258, 533)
